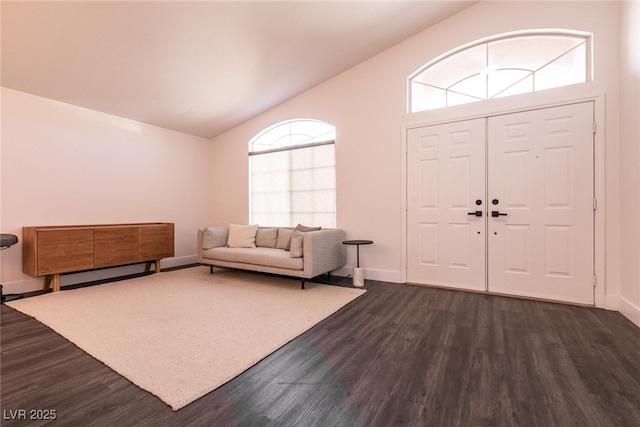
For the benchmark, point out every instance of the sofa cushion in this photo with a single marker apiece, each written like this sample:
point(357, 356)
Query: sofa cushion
point(267, 237)
point(303, 229)
point(242, 236)
point(214, 236)
point(259, 256)
point(296, 244)
point(284, 238)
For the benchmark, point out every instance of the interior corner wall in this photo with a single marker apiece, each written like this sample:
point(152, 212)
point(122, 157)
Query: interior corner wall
point(630, 160)
point(63, 164)
point(368, 106)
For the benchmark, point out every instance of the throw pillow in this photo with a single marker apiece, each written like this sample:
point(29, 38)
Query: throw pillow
point(284, 238)
point(267, 237)
point(296, 244)
point(214, 237)
point(303, 229)
point(242, 236)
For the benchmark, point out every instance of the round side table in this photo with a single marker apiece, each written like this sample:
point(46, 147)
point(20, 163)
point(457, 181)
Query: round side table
point(358, 273)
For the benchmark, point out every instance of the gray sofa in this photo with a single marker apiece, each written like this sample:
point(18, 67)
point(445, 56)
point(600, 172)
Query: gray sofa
point(277, 250)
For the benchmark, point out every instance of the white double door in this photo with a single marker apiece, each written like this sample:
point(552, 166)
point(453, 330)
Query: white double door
point(504, 204)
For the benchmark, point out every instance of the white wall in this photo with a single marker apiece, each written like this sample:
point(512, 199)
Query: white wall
point(63, 164)
point(367, 104)
point(630, 160)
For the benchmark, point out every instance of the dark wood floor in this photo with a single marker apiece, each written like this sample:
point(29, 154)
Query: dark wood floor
point(399, 355)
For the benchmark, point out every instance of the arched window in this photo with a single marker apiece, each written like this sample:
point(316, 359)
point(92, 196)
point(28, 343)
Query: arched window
point(293, 174)
point(501, 66)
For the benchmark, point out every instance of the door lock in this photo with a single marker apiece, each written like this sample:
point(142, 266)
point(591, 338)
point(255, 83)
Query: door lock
point(476, 213)
point(496, 214)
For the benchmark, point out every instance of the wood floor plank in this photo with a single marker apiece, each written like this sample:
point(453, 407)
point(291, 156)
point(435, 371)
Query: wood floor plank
point(398, 356)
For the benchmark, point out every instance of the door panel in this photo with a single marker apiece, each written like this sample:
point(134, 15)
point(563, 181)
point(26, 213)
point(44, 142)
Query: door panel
point(445, 177)
point(541, 174)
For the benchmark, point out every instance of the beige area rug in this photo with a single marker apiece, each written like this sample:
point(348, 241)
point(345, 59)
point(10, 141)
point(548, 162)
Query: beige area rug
point(183, 333)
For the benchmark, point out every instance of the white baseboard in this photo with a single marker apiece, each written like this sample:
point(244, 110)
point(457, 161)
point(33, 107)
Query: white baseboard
point(611, 302)
point(372, 274)
point(22, 286)
point(31, 284)
point(178, 261)
point(629, 310)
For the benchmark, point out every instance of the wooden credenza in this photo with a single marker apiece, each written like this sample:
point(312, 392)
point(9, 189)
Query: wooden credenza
point(52, 250)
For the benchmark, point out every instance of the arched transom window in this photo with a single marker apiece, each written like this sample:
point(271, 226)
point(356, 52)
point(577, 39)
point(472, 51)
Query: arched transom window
point(502, 66)
point(292, 174)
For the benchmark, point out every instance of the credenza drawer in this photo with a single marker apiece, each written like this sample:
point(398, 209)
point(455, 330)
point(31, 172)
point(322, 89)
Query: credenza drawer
point(155, 242)
point(115, 246)
point(62, 251)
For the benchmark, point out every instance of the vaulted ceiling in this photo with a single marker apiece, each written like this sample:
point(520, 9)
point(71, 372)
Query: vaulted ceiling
point(196, 67)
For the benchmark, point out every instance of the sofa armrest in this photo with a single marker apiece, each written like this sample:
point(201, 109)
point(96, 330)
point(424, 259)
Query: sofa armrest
point(218, 238)
point(323, 251)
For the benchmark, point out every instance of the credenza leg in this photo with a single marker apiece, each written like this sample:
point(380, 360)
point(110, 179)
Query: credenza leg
point(56, 283)
point(47, 283)
point(51, 281)
point(147, 269)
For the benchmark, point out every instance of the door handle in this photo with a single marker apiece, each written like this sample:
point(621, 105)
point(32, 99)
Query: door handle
point(496, 214)
point(476, 213)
